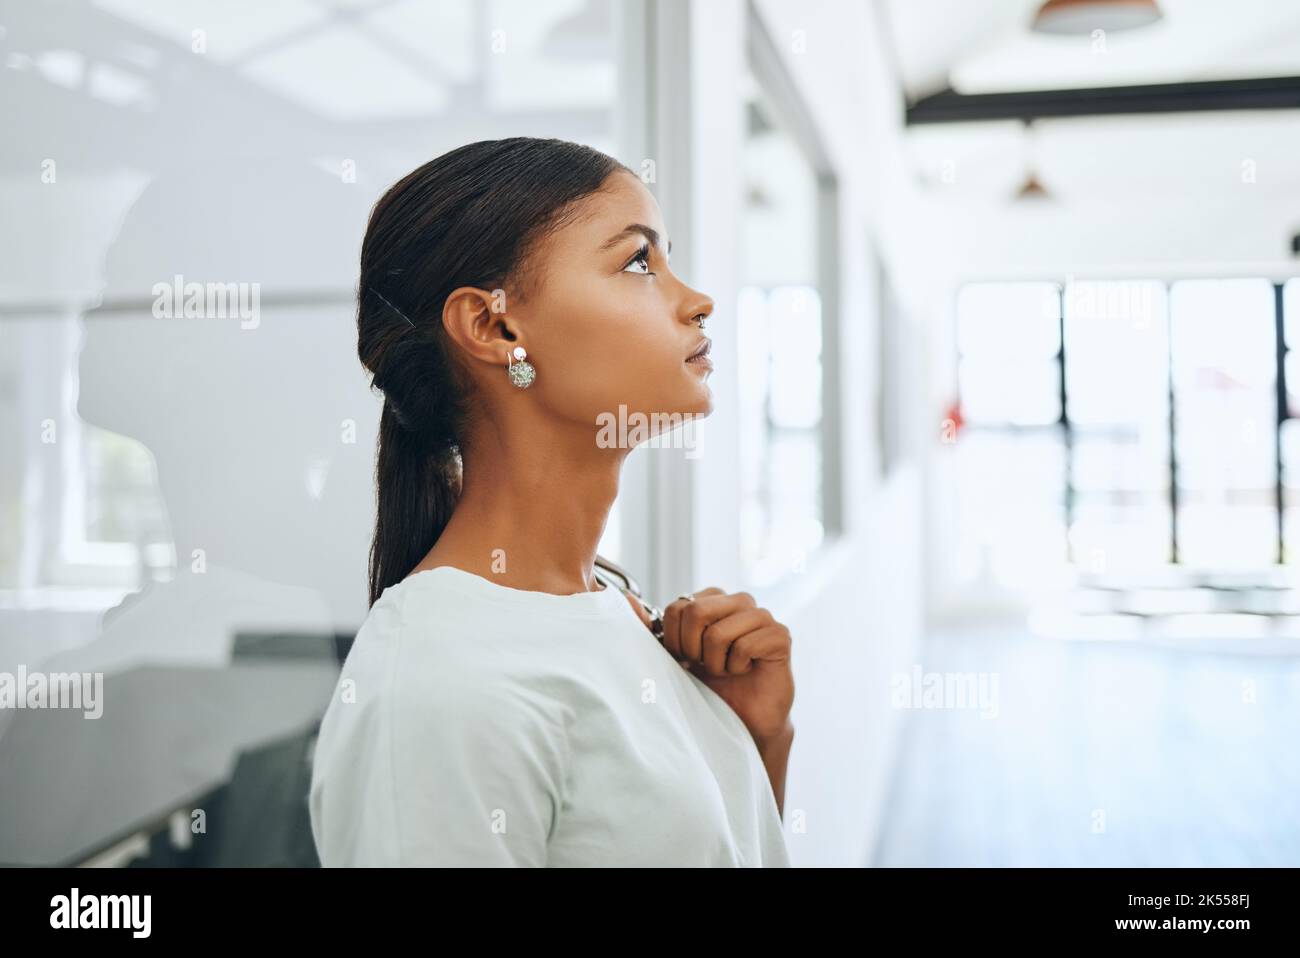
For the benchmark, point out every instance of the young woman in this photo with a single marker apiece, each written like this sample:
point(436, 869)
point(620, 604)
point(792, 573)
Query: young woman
point(499, 707)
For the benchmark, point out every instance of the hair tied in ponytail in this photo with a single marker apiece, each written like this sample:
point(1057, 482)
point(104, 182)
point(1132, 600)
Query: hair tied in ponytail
point(371, 289)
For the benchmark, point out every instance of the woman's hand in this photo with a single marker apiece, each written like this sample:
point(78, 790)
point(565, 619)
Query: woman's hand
point(740, 651)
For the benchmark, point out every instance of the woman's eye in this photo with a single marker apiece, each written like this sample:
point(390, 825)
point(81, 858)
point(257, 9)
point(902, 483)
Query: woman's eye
point(643, 258)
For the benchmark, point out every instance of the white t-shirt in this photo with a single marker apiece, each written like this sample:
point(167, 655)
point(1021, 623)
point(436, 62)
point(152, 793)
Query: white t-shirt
point(480, 725)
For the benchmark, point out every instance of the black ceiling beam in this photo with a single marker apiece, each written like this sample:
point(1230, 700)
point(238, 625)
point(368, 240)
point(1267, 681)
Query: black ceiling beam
point(1267, 93)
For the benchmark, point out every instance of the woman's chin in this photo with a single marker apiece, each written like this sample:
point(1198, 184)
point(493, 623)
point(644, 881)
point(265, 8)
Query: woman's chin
point(706, 404)
point(697, 403)
point(700, 401)
point(691, 400)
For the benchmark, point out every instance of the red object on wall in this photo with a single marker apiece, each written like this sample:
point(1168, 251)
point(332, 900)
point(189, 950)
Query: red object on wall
point(952, 423)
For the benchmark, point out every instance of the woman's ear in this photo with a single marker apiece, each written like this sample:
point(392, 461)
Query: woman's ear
point(477, 322)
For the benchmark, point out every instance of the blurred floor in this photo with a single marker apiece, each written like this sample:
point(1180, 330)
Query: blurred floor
point(1101, 754)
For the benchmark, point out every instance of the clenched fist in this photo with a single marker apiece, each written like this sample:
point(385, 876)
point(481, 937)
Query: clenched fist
point(739, 650)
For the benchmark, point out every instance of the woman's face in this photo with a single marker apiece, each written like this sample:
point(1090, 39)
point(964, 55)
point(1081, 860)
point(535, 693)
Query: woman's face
point(607, 323)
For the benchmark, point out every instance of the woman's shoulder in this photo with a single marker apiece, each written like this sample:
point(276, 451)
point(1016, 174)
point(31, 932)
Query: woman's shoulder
point(427, 718)
point(437, 613)
point(429, 686)
point(427, 644)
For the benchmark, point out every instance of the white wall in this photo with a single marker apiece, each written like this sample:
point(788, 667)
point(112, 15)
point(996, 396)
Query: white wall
point(855, 613)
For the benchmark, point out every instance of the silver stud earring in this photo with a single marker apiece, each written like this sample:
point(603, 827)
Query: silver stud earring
point(521, 371)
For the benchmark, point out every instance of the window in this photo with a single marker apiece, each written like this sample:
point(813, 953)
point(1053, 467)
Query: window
point(1225, 418)
point(1011, 460)
point(1128, 425)
point(787, 504)
point(891, 358)
point(1116, 356)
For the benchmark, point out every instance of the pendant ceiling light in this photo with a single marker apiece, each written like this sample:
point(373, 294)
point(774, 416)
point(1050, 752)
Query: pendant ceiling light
point(1084, 16)
point(1031, 189)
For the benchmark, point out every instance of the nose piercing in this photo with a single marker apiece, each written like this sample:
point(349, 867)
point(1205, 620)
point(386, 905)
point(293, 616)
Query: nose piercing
point(521, 372)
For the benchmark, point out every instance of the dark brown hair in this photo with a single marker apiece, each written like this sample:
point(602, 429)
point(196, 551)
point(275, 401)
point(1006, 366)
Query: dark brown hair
point(468, 218)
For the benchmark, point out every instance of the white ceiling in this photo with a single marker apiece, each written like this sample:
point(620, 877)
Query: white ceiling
point(1217, 192)
point(984, 46)
point(1215, 161)
point(357, 60)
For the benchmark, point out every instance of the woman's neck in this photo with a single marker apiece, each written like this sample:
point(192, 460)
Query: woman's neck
point(533, 518)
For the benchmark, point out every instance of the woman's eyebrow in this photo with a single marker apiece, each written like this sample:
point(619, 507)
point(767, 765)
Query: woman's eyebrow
point(634, 229)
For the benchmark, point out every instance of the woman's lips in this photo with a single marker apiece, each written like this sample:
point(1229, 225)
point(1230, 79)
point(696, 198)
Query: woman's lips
point(701, 353)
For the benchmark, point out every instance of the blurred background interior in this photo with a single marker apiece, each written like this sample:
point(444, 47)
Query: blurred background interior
point(1006, 341)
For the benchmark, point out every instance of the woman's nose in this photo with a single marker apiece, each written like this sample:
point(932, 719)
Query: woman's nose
point(698, 305)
